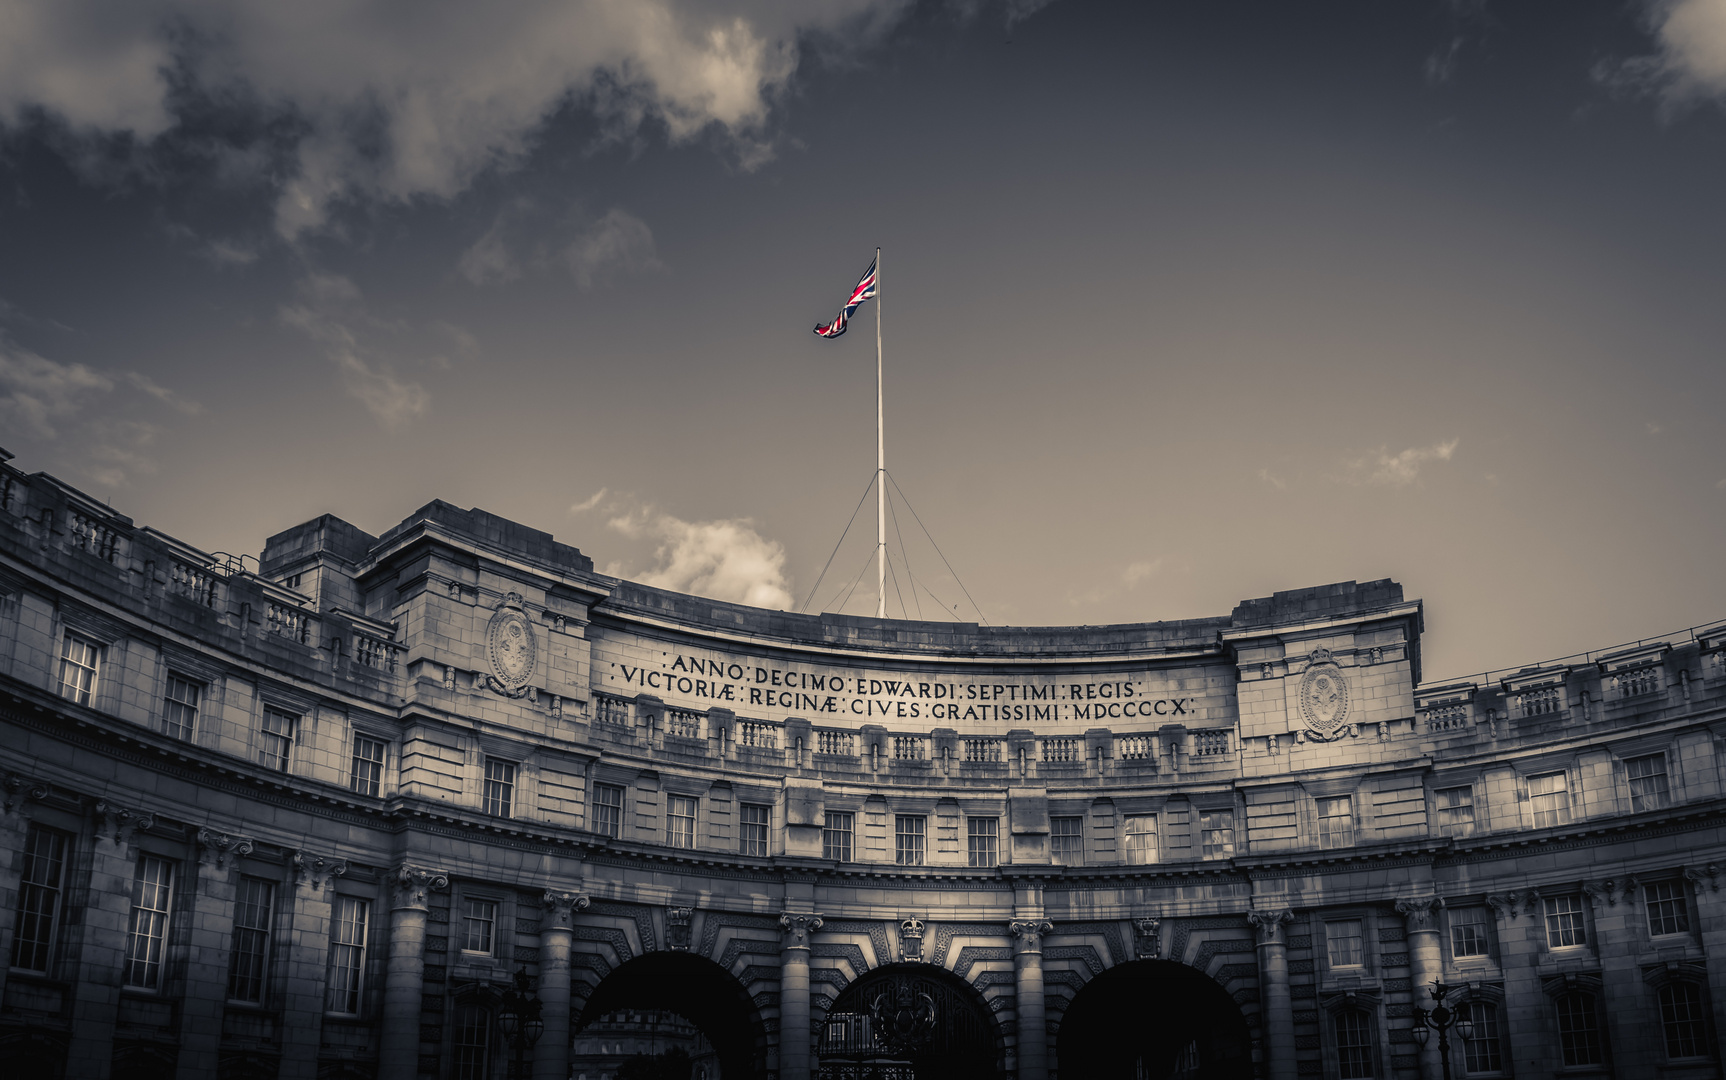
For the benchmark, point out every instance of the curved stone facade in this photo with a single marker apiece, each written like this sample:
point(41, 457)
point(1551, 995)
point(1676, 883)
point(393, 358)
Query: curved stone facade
point(309, 817)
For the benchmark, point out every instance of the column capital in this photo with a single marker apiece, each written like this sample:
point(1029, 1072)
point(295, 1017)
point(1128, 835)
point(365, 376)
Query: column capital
point(798, 926)
point(119, 824)
point(220, 847)
point(1268, 925)
point(1420, 912)
point(560, 909)
point(315, 870)
point(1029, 932)
point(412, 884)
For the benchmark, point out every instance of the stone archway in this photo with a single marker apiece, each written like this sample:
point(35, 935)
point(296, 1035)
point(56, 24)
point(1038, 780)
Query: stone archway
point(701, 992)
point(909, 1022)
point(1154, 1020)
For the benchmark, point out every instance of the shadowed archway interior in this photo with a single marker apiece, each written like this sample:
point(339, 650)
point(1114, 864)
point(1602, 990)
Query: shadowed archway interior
point(909, 1022)
point(1154, 1020)
point(697, 989)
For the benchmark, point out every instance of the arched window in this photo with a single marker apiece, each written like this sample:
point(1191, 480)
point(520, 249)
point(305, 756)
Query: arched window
point(472, 1043)
point(1482, 1052)
point(1353, 1045)
point(1579, 1029)
point(1681, 1020)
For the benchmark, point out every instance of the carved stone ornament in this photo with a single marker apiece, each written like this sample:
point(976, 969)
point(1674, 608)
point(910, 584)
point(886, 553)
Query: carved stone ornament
point(1697, 876)
point(1324, 697)
point(677, 928)
point(1147, 937)
point(316, 871)
point(911, 940)
point(221, 847)
point(118, 823)
point(1029, 932)
point(510, 648)
point(560, 908)
point(412, 884)
point(1268, 925)
point(19, 790)
point(1420, 912)
point(798, 927)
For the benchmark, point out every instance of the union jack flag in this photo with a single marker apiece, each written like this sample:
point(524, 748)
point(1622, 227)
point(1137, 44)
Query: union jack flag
point(865, 290)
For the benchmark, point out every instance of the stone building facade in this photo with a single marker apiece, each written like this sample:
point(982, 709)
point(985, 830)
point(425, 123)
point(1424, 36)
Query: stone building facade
point(307, 817)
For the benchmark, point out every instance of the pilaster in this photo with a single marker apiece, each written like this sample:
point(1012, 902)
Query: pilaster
point(794, 994)
point(1426, 966)
point(212, 902)
point(307, 968)
point(556, 931)
point(404, 980)
point(102, 955)
point(1275, 1005)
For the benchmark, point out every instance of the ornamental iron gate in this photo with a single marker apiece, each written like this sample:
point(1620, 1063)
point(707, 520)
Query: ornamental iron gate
point(908, 1022)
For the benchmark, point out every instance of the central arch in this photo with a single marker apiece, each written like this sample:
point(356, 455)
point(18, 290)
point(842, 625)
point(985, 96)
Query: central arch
point(910, 1022)
point(1154, 1020)
point(701, 992)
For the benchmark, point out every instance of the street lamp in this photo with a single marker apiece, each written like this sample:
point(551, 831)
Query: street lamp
point(518, 1019)
point(1442, 1018)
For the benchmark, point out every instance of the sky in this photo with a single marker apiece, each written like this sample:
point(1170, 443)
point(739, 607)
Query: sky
point(1181, 303)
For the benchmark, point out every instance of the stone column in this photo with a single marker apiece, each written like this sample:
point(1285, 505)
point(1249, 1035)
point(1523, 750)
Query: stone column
point(1028, 997)
point(404, 980)
point(1276, 1008)
point(556, 929)
point(308, 964)
point(212, 943)
point(794, 995)
point(102, 955)
point(1425, 967)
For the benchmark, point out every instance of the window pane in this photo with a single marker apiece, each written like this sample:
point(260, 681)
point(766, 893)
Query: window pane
point(152, 887)
point(251, 949)
point(478, 921)
point(1579, 1030)
point(368, 771)
point(1353, 1046)
point(1468, 930)
point(1482, 1052)
point(608, 809)
point(276, 740)
point(347, 955)
point(836, 837)
point(1681, 1020)
point(1648, 789)
point(680, 821)
point(39, 889)
point(1549, 798)
point(1668, 910)
point(908, 840)
point(1344, 940)
point(1564, 922)
point(499, 787)
point(1067, 840)
point(472, 1042)
point(79, 659)
point(983, 838)
point(1217, 834)
point(180, 708)
point(753, 822)
point(1141, 834)
point(1336, 822)
point(1456, 810)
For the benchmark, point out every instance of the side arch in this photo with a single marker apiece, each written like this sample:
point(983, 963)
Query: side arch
point(1154, 1017)
point(699, 990)
point(912, 1014)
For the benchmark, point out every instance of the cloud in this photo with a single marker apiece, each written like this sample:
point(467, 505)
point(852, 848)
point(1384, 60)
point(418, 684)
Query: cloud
point(331, 313)
point(1381, 467)
point(1689, 62)
point(522, 238)
point(1140, 571)
point(588, 503)
point(1272, 479)
point(619, 242)
point(161, 393)
point(37, 393)
point(724, 560)
point(488, 261)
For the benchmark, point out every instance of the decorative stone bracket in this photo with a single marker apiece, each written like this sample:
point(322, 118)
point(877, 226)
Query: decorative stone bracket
point(1698, 875)
point(118, 824)
point(17, 790)
point(1147, 937)
point(798, 927)
point(1517, 902)
point(221, 847)
point(677, 928)
point(316, 871)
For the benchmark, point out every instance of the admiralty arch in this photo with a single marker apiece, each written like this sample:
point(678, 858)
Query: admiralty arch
point(445, 801)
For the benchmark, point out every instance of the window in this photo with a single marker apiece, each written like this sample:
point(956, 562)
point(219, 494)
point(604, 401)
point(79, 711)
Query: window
point(479, 925)
point(499, 787)
point(1456, 810)
point(347, 955)
point(39, 889)
point(836, 836)
point(368, 773)
point(152, 888)
point(908, 840)
point(1549, 798)
point(251, 954)
point(608, 809)
point(1564, 922)
point(983, 841)
point(79, 659)
point(1217, 834)
point(680, 821)
point(1468, 933)
point(180, 708)
point(1343, 940)
point(276, 741)
point(1336, 822)
point(1067, 840)
point(1648, 789)
point(1481, 1051)
point(1681, 1020)
point(472, 1043)
point(1668, 911)
point(1141, 833)
point(1579, 1030)
point(1353, 1045)
point(753, 828)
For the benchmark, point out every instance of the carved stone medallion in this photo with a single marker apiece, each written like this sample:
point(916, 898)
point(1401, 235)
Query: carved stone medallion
point(511, 648)
point(1324, 696)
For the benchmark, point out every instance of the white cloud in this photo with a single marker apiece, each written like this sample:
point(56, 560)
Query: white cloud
point(1140, 571)
point(331, 314)
point(1396, 470)
point(1272, 479)
point(37, 393)
point(1690, 57)
point(619, 242)
point(724, 560)
point(588, 503)
point(161, 393)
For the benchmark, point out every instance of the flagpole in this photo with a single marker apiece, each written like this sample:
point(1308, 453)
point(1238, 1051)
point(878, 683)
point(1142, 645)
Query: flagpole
point(880, 462)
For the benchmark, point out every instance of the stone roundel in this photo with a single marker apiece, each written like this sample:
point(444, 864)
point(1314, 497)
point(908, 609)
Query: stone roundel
point(510, 644)
point(1324, 696)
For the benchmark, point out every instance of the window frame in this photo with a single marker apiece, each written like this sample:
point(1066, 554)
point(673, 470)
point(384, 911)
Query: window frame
point(1447, 824)
point(287, 741)
point(497, 793)
point(1077, 838)
point(830, 830)
point(1364, 1063)
point(1485, 924)
point(983, 841)
point(355, 760)
point(598, 803)
point(56, 893)
point(468, 921)
point(1660, 799)
point(1698, 1019)
point(1679, 896)
point(910, 845)
point(243, 936)
point(1335, 831)
point(1224, 849)
point(98, 652)
point(750, 842)
point(1584, 1005)
point(673, 838)
point(358, 952)
point(462, 1067)
point(190, 710)
point(1488, 1031)
point(1563, 814)
point(145, 973)
point(1331, 938)
point(1141, 847)
point(1577, 927)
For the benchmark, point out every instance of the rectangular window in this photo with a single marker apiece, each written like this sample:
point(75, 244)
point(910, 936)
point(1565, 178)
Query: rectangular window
point(1648, 789)
point(1067, 840)
point(1481, 1051)
point(680, 821)
point(1579, 1030)
point(79, 660)
point(1343, 940)
point(180, 707)
point(367, 777)
point(1668, 911)
point(752, 828)
point(983, 840)
point(479, 925)
point(276, 740)
point(1564, 922)
point(1141, 834)
point(1549, 798)
point(1217, 834)
point(608, 810)
point(1468, 932)
point(1456, 810)
point(250, 961)
point(1336, 822)
point(472, 1043)
point(39, 890)
point(836, 836)
point(1681, 1020)
point(1353, 1046)
point(152, 889)
point(908, 840)
point(347, 955)
point(499, 787)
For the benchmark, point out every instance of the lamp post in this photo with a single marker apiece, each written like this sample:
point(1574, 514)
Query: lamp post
point(518, 1019)
point(1442, 1018)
